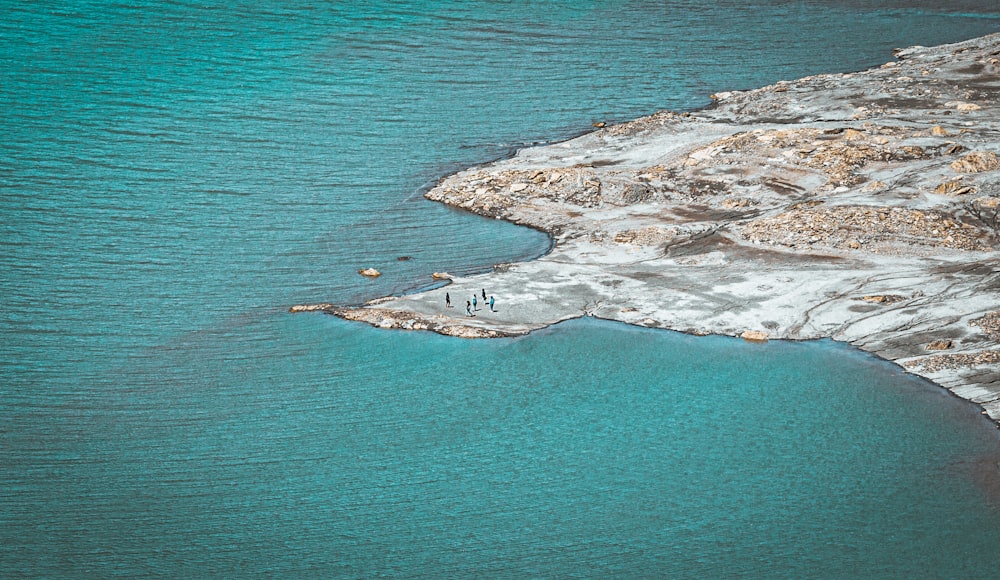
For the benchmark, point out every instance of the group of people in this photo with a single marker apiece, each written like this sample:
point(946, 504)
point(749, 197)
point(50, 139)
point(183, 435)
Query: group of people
point(472, 305)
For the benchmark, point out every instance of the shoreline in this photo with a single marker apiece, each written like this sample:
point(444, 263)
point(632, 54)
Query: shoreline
point(860, 207)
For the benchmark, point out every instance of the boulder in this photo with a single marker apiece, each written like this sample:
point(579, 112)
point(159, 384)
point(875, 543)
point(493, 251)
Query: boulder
point(955, 187)
point(754, 335)
point(977, 162)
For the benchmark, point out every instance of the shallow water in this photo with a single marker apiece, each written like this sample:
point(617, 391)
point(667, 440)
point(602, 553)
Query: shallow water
point(174, 177)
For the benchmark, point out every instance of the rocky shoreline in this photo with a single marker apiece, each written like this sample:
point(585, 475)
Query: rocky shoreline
point(863, 207)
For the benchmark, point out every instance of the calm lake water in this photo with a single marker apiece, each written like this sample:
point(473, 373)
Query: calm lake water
point(175, 175)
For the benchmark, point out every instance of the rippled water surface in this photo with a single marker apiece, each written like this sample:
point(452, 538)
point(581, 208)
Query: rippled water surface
point(173, 176)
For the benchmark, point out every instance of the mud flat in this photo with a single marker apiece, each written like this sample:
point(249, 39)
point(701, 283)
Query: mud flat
point(864, 207)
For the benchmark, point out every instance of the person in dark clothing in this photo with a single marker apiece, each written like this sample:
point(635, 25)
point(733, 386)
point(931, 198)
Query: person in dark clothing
point(447, 300)
point(468, 308)
point(484, 295)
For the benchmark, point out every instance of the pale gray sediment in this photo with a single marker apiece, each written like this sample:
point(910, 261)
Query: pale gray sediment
point(861, 207)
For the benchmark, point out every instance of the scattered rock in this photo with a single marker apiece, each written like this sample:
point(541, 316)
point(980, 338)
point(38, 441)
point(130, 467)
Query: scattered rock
point(990, 325)
point(875, 229)
point(977, 162)
point(963, 107)
point(650, 236)
point(953, 188)
point(883, 298)
point(943, 362)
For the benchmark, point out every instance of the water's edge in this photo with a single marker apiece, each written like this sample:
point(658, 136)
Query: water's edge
point(410, 309)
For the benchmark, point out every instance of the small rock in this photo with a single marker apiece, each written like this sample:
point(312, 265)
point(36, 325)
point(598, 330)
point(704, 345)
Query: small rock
point(754, 336)
point(939, 345)
point(516, 187)
point(884, 298)
point(370, 272)
point(442, 276)
point(963, 107)
point(955, 187)
point(939, 131)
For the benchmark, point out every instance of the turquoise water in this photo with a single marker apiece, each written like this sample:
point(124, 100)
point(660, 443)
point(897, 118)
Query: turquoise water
point(174, 176)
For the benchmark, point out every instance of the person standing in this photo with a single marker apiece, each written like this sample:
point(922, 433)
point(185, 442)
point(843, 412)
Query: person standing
point(468, 308)
point(447, 300)
point(474, 305)
point(491, 304)
point(484, 295)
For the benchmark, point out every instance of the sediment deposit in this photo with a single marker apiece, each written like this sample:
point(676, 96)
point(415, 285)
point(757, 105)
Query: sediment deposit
point(861, 206)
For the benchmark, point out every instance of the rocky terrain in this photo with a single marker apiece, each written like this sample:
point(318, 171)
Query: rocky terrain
point(862, 207)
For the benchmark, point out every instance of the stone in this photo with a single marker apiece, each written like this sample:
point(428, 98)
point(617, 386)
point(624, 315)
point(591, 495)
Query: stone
point(977, 162)
point(442, 276)
point(883, 298)
point(311, 307)
point(370, 273)
point(754, 336)
point(939, 345)
point(954, 187)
